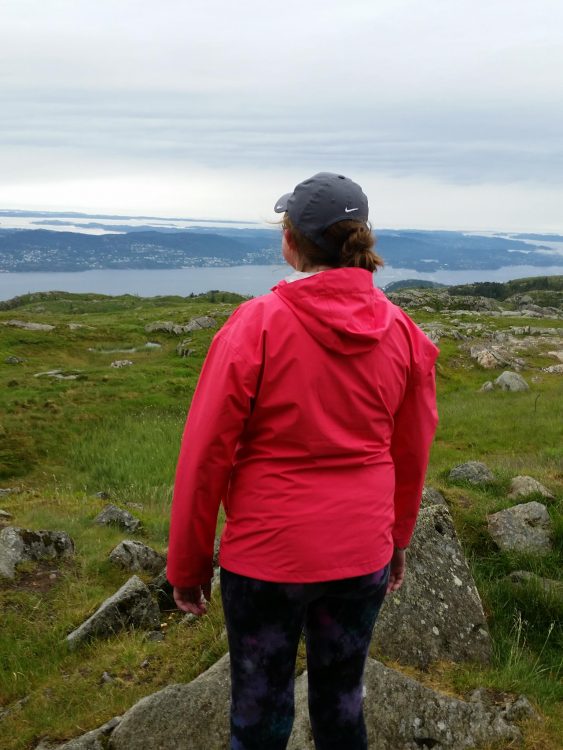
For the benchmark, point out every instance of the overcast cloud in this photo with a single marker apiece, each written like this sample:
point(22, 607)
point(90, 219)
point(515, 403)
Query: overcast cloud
point(449, 113)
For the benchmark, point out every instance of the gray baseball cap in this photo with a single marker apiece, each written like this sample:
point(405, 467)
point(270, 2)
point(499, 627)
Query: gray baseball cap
point(321, 201)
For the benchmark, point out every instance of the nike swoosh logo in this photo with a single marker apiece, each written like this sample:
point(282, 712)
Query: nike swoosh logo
point(278, 208)
point(349, 210)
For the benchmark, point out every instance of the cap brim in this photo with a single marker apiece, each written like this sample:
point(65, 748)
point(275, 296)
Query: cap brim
point(281, 203)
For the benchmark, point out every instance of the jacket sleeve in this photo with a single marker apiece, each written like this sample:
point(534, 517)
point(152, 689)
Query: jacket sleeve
point(414, 428)
point(218, 413)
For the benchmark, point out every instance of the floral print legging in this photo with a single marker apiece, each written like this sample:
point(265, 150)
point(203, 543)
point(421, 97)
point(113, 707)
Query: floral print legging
point(264, 624)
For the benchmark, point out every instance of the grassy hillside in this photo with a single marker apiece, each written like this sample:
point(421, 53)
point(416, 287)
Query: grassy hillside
point(117, 431)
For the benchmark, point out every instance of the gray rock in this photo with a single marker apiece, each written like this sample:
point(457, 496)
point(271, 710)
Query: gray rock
point(9, 491)
point(437, 614)
point(95, 740)
point(401, 714)
point(5, 516)
point(522, 485)
point(473, 472)
point(548, 585)
point(27, 325)
point(22, 545)
point(522, 528)
point(554, 369)
point(487, 358)
point(196, 324)
point(118, 363)
point(11, 360)
point(487, 386)
point(111, 515)
point(180, 716)
point(511, 381)
point(431, 496)
point(163, 591)
point(60, 375)
point(166, 326)
point(136, 556)
point(183, 349)
point(131, 606)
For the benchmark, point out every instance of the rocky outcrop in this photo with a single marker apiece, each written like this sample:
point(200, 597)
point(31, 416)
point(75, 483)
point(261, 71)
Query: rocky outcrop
point(27, 325)
point(168, 326)
point(12, 360)
point(111, 515)
point(118, 363)
point(131, 606)
point(196, 324)
point(5, 516)
point(474, 472)
point(135, 556)
point(401, 714)
point(437, 614)
point(522, 486)
point(60, 375)
point(522, 528)
point(24, 545)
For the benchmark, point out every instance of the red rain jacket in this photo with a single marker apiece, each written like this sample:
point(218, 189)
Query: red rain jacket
point(312, 422)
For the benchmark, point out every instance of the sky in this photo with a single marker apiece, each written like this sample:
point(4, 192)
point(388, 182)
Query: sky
point(449, 113)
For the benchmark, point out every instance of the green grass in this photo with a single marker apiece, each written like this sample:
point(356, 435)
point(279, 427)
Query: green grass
point(118, 431)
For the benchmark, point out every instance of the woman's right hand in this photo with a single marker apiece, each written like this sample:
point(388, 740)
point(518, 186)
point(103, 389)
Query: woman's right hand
point(194, 599)
point(397, 571)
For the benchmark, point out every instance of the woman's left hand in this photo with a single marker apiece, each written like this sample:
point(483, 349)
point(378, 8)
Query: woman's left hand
point(193, 599)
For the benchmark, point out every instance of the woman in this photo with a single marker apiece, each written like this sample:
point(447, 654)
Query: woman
point(312, 423)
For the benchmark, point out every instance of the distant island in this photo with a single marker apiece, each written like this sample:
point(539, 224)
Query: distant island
point(163, 244)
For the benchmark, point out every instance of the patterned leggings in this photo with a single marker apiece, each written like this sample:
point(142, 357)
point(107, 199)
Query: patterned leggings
point(264, 623)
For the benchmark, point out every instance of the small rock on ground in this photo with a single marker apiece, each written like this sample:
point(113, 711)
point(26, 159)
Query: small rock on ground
point(473, 472)
point(523, 528)
point(136, 556)
point(523, 485)
point(111, 515)
point(511, 381)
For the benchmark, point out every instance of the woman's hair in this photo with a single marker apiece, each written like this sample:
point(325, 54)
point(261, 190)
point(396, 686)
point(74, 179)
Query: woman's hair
point(353, 243)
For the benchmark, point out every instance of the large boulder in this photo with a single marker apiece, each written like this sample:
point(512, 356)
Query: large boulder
point(111, 515)
point(192, 716)
point(432, 496)
point(24, 545)
point(135, 556)
point(523, 528)
point(97, 739)
point(474, 472)
point(401, 714)
point(437, 614)
point(511, 381)
point(522, 486)
point(131, 606)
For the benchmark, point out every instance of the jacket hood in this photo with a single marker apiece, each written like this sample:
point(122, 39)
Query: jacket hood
point(340, 308)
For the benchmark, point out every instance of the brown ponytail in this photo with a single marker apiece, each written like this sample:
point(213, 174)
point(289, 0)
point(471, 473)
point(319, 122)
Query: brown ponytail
point(353, 244)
